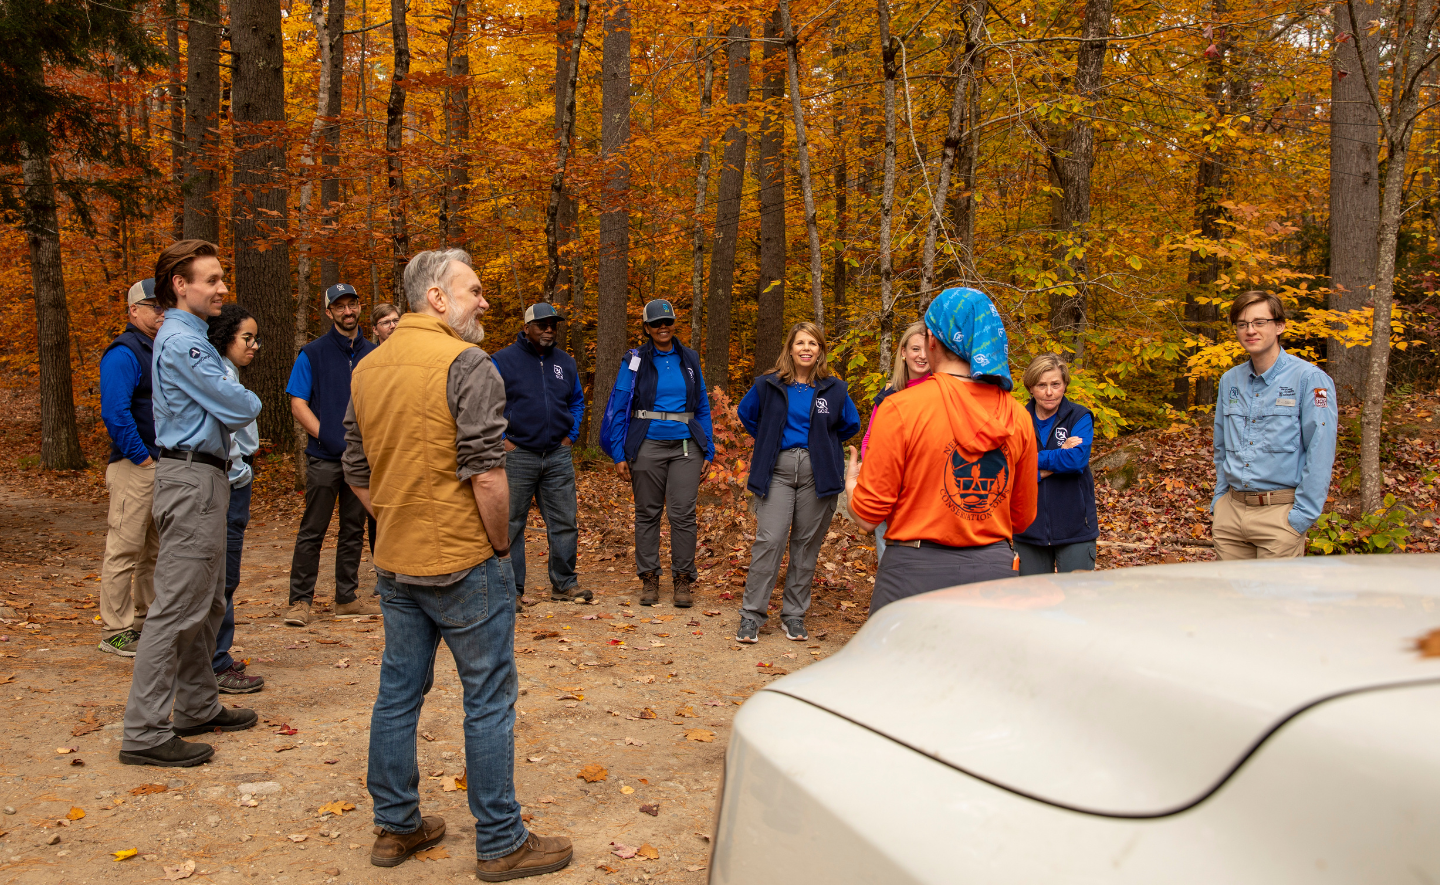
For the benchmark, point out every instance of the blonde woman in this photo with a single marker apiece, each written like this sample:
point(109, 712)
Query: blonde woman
point(799, 414)
point(1062, 537)
point(912, 365)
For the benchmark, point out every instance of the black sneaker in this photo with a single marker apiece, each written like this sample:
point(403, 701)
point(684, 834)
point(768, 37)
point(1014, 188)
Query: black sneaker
point(174, 753)
point(125, 644)
point(574, 594)
point(795, 629)
point(749, 631)
point(228, 719)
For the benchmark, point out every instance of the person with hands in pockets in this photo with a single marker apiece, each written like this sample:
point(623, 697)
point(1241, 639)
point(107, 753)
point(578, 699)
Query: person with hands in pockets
point(1275, 427)
point(799, 414)
point(657, 430)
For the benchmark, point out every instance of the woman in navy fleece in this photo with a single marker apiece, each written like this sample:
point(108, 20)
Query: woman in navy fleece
point(1062, 537)
point(799, 415)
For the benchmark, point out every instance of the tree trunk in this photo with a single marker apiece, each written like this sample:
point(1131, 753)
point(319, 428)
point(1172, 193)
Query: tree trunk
point(889, 48)
point(564, 134)
point(770, 301)
point(802, 157)
point(457, 127)
point(702, 188)
point(395, 171)
point(202, 127)
point(330, 152)
point(613, 263)
point(1354, 195)
point(1069, 314)
point(59, 439)
point(567, 278)
point(727, 212)
point(839, 121)
point(176, 134)
point(259, 194)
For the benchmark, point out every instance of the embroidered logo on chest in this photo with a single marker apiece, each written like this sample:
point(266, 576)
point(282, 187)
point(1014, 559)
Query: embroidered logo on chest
point(1061, 434)
point(822, 406)
point(559, 373)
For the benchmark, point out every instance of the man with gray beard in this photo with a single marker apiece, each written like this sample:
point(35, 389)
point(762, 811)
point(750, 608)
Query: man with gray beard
point(424, 453)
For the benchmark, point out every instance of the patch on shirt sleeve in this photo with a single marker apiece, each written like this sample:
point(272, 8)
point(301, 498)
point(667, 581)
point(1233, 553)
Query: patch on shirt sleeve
point(1322, 398)
point(196, 353)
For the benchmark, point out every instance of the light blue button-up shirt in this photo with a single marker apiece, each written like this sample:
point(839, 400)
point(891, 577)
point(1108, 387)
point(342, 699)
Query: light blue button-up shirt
point(1277, 431)
point(243, 442)
point(197, 404)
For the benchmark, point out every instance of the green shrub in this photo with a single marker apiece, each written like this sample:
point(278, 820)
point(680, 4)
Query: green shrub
point(1384, 531)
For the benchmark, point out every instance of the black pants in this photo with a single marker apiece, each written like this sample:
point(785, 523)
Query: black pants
point(324, 486)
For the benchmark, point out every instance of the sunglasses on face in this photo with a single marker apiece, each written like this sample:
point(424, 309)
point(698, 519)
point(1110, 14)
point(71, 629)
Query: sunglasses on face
point(661, 324)
point(547, 325)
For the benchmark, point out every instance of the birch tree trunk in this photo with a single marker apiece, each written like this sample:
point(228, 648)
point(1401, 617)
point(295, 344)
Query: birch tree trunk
point(770, 169)
point(613, 263)
point(727, 212)
point(702, 187)
point(802, 156)
point(395, 170)
point(565, 133)
point(889, 47)
point(202, 127)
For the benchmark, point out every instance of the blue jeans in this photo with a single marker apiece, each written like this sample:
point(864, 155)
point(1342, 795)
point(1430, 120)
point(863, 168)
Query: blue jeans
point(236, 519)
point(549, 480)
point(476, 618)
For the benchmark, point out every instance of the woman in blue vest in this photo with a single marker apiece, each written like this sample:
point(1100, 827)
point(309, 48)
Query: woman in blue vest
point(657, 430)
point(799, 415)
point(1062, 537)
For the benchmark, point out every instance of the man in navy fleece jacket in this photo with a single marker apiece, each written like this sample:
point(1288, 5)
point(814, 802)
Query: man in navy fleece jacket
point(544, 405)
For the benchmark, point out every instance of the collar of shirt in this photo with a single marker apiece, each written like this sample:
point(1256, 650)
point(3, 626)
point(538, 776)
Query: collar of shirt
point(1268, 376)
point(187, 319)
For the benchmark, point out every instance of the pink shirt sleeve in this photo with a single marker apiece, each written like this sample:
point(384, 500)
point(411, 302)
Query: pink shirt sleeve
point(865, 442)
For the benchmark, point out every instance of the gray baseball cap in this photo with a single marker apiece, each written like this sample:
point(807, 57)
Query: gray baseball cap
point(141, 291)
point(659, 309)
point(543, 310)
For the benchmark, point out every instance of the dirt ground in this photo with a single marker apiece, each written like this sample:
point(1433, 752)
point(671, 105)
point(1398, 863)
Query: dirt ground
point(592, 677)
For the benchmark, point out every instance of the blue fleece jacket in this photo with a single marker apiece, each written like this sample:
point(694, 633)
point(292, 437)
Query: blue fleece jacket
point(830, 418)
point(321, 377)
point(544, 402)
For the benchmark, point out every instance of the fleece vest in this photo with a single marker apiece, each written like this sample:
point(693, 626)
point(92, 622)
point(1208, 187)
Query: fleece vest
point(827, 458)
point(332, 359)
point(1065, 508)
point(647, 379)
point(427, 520)
point(142, 404)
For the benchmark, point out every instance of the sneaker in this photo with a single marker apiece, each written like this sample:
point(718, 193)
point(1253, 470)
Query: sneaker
point(360, 608)
point(574, 594)
point(125, 644)
point(539, 855)
point(233, 680)
point(228, 719)
point(174, 753)
point(391, 849)
point(749, 631)
point(650, 588)
point(683, 597)
point(298, 615)
point(795, 629)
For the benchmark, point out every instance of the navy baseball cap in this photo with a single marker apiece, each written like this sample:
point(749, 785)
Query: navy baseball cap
point(543, 310)
point(658, 310)
point(141, 291)
point(338, 291)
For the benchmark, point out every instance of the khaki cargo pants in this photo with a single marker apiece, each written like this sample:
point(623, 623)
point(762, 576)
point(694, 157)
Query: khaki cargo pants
point(1243, 532)
point(127, 574)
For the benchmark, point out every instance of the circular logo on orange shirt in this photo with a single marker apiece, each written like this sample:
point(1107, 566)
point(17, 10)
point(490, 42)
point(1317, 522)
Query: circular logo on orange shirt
point(974, 487)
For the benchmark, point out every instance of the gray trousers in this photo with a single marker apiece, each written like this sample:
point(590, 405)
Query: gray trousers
point(172, 665)
point(910, 571)
point(792, 511)
point(665, 476)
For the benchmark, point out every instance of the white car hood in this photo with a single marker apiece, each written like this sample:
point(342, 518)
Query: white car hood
point(1131, 692)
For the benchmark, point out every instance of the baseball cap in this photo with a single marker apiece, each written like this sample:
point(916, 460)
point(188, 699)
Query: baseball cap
point(338, 291)
point(141, 291)
point(543, 310)
point(967, 321)
point(659, 309)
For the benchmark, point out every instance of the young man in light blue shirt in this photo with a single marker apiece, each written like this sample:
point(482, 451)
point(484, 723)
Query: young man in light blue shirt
point(1275, 426)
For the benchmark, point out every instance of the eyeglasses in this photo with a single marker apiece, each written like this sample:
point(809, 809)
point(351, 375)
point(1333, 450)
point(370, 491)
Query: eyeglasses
point(390, 322)
point(346, 306)
point(1257, 325)
point(251, 341)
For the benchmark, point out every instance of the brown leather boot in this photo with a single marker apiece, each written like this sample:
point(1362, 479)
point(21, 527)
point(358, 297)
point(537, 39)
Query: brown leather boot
point(683, 598)
point(391, 849)
point(539, 855)
point(650, 588)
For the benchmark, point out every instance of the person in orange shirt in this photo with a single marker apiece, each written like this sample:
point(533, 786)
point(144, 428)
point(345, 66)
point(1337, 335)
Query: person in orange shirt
point(952, 461)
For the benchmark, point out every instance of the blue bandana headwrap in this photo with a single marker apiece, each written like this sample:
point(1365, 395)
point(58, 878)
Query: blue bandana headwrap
point(971, 327)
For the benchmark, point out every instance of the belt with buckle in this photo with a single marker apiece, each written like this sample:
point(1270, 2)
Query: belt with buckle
point(917, 544)
point(195, 458)
point(665, 416)
point(1264, 499)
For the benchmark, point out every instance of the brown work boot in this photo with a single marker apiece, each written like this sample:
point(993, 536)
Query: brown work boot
point(650, 588)
point(298, 615)
point(539, 855)
point(683, 599)
point(391, 849)
point(360, 608)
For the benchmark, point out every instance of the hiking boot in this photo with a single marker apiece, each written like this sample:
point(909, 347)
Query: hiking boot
point(125, 644)
point(795, 629)
point(391, 849)
point(298, 615)
point(174, 753)
point(233, 680)
point(539, 855)
point(748, 632)
point(228, 719)
point(650, 588)
point(360, 608)
point(574, 594)
point(683, 598)
point(519, 604)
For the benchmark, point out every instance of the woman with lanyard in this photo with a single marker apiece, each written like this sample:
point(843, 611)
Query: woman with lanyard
point(912, 365)
point(657, 429)
point(799, 415)
point(236, 336)
point(952, 465)
point(1062, 537)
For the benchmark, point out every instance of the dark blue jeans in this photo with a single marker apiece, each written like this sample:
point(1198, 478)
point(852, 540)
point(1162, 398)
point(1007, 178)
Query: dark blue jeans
point(548, 480)
point(236, 519)
point(476, 618)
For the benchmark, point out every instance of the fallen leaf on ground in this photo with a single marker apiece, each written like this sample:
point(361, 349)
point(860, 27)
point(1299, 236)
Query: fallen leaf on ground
point(86, 725)
point(686, 711)
point(647, 713)
point(571, 697)
point(627, 790)
point(297, 837)
point(546, 800)
point(607, 868)
point(546, 634)
point(450, 784)
point(63, 750)
point(77, 761)
point(634, 743)
point(125, 854)
point(75, 814)
point(436, 853)
point(537, 759)
point(337, 808)
point(284, 748)
point(286, 728)
point(648, 850)
point(460, 782)
point(699, 734)
point(652, 809)
point(624, 852)
point(147, 789)
point(592, 773)
point(342, 664)
point(180, 871)
point(427, 735)
point(710, 614)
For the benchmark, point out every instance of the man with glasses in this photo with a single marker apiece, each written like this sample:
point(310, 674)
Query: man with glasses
point(319, 389)
point(383, 319)
point(544, 405)
point(127, 575)
point(1275, 426)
